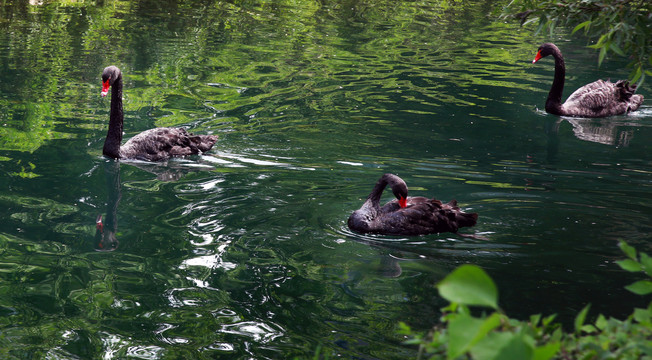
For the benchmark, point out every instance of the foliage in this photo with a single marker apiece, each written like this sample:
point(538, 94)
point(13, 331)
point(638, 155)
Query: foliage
point(496, 336)
point(623, 27)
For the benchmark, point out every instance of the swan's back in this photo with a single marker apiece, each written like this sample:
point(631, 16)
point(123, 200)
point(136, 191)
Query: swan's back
point(602, 98)
point(162, 143)
point(421, 216)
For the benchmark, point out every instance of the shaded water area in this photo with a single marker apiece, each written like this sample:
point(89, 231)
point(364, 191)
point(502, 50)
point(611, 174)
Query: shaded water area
point(244, 252)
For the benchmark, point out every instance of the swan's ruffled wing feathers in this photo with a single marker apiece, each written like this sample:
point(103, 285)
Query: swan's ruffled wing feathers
point(602, 98)
point(162, 143)
point(413, 220)
point(362, 219)
point(627, 94)
point(203, 142)
point(461, 218)
point(422, 216)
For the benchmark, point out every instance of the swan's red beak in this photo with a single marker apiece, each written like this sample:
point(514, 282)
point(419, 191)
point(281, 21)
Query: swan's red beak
point(402, 202)
point(105, 87)
point(536, 58)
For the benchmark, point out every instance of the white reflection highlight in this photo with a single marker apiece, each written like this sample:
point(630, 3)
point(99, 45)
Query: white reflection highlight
point(209, 261)
point(260, 332)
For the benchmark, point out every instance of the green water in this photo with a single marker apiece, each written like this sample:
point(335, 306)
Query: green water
point(244, 252)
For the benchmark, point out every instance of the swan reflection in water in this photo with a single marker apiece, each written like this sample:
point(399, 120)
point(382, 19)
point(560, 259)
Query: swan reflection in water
point(611, 132)
point(106, 228)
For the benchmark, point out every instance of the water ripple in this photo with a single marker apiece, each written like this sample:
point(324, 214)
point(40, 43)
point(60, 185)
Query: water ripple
point(259, 331)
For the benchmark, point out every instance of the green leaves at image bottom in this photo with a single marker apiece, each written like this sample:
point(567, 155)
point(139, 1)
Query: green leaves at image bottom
point(476, 337)
point(469, 285)
point(465, 332)
point(488, 337)
point(506, 345)
point(495, 336)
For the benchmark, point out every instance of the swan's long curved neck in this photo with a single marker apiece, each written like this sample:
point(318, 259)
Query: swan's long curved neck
point(396, 183)
point(553, 104)
point(114, 134)
point(373, 200)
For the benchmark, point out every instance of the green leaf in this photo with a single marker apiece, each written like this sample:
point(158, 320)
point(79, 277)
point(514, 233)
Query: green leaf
point(579, 319)
point(414, 341)
point(603, 53)
point(547, 351)
point(503, 345)
point(557, 335)
point(646, 261)
point(588, 328)
point(534, 319)
point(547, 320)
point(628, 250)
point(404, 329)
point(642, 316)
point(586, 24)
point(616, 49)
point(465, 331)
point(637, 73)
point(642, 287)
point(601, 322)
point(629, 265)
point(469, 285)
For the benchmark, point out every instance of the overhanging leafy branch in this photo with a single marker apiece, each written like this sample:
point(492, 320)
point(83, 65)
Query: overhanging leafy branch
point(623, 27)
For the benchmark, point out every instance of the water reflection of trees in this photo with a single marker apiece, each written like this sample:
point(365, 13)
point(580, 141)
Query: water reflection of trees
point(171, 59)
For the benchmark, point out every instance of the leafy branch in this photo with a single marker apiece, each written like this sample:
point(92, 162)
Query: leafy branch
point(622, 27)
point(461, 335)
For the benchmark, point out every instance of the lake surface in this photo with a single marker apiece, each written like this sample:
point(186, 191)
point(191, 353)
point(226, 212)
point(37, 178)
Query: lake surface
point(244, 252)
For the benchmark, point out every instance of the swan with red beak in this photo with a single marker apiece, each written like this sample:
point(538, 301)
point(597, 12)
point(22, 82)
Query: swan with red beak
point(405, 215)
point(150, 145)
point(597, 99)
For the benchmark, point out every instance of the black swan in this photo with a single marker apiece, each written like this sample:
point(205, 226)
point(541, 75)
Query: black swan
point(407, 216)
point(150, 145)
point(597, 99)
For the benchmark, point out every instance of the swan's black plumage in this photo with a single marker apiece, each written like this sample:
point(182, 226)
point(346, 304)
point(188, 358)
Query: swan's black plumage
point(597, 99)
point(407, 216)
point(150, 145)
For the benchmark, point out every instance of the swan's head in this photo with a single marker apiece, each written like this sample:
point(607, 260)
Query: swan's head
point(402, 201)
point(399, 188)
point(545, 50)
point(109, 76)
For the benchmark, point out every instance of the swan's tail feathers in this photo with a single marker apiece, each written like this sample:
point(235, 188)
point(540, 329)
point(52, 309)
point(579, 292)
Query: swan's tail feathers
point(464, 219)
point(634, 102)
point(625, 90)
point(626, 93)
point(203, 142)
